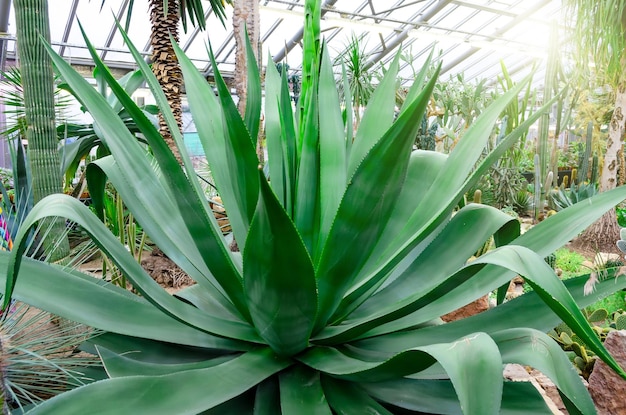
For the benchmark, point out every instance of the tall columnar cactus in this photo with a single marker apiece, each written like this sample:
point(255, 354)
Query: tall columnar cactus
point(32, 24)
point(594, 169)
point(584, 162)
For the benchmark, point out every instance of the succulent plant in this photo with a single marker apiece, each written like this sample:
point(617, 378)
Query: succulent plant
point(351, 252)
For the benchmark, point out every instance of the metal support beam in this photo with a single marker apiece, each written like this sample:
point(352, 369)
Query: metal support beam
point(401, 37)
point(5, 10)
point(297, 38)
point(521, 17)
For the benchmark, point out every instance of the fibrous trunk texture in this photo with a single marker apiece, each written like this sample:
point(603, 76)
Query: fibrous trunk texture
point(31, 18)
point(245, 16)
point(165, 65)
point(604, 233)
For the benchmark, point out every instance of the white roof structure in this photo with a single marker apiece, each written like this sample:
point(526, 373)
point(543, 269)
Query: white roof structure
point(472, 37)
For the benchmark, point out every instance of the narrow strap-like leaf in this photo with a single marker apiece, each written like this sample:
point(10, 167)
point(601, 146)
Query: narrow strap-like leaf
point(279, 283)
point(273, 130)
point(461, 359)
point(438, 397)
point(534, 348)
point(528, 310)
point(143, 395)
point(74, 210)
point(377, 118)
point(241, 158)
point(267, 397)
point(252, 116)
point(426, 278)
point(345, 251)
point(300, 389)
point(91, 301)
point(307, 208)
point(121, 365)
point(347, 398)
point(333, 175)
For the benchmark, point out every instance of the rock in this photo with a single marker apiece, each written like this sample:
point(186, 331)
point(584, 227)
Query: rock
point(605, 386)
point(475, 307)
point(549, 392)
point(604, 257)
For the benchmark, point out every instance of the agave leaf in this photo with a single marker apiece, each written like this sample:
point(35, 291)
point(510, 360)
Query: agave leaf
point(306, 208)
point(528, 311)
point(536, 349)
point(273, 132)
point(72, 209)
point(377, 118)
point(333, 175)
point(118, 365)
point(346, 398)
point(461, 359)
point(252, 114)
point(163, 222)
point(348, 111)
point(267, 400)
point(438, 397)
point(425, 279)
point(342, 258)
point(235, 176)
point(300, 388)
point(152, 394)
point(194, 210)
point(279, 284)
point(419, 80)
point(94, 302)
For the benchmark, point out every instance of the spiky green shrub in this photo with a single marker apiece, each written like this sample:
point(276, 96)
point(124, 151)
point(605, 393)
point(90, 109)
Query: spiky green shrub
point(350, 253)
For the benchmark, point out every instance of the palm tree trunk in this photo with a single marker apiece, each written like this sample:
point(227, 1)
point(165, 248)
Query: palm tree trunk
point(38, 83)
point(246, 15)
point(604, 233)
point(165, 65)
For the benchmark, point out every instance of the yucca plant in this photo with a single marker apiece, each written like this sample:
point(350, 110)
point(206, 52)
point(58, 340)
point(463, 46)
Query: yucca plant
point(350, 253)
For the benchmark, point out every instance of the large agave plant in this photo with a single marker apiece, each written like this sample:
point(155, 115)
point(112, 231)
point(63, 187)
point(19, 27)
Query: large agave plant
point(350, 253)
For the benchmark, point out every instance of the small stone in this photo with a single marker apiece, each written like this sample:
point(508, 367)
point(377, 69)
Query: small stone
point(605, 385)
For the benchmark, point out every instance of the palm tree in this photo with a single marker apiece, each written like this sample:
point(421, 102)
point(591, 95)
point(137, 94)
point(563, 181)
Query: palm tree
point(245, 23)
point(165, 16)
point(31, 19)
point(600, 37)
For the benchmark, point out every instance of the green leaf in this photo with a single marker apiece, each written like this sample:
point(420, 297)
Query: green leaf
point(274, 132)
point(153, 394)
point(332, 141)
point(536, 349)
point(423, 280)
point(345, 398)
point(98, 304)
point(279, 283)
point(234, 163)
point(74, 210)
point(267, 399)
point(346, 251)
point(118, 365)
point(301, 390)
point(252, 115)
point(377, 118)
point(461, 359)
point(306, 208)
point(438, 397)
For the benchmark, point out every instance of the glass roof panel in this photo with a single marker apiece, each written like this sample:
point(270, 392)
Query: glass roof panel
point(470, 36)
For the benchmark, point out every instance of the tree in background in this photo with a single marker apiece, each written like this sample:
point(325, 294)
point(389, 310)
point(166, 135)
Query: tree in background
point(600, 38)
point(246, 23)
point(165, 16)
point(32, 24)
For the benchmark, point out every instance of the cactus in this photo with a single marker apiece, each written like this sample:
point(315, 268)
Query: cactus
point(594, 169)
point(565, 183)
point(574, 175)
point(598, 316)
point(584, 162)
point(478, 194)
point(551, 260)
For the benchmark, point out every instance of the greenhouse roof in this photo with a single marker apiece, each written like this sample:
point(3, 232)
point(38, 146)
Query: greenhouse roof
point(471, 37)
